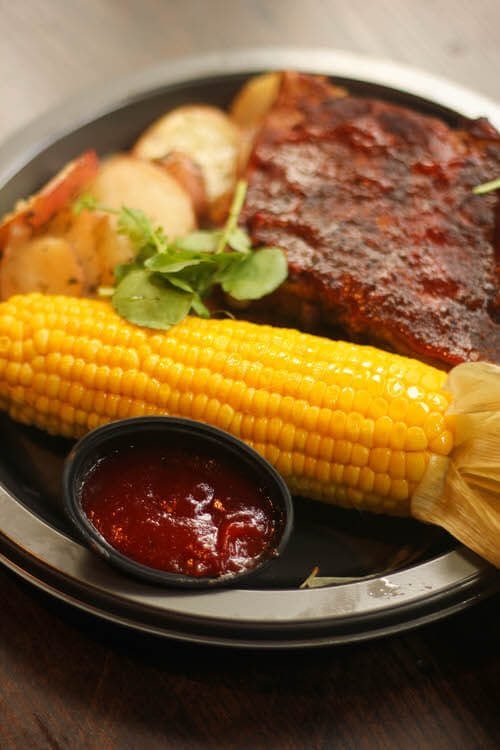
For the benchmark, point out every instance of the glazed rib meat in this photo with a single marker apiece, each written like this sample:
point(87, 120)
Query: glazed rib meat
point(373, 204)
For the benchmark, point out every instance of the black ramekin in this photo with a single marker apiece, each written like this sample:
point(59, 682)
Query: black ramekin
point(99, 442)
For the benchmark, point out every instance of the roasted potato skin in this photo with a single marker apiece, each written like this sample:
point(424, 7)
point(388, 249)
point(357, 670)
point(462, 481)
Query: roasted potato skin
point(204, 134)
point(35, 212)
point(190, 176)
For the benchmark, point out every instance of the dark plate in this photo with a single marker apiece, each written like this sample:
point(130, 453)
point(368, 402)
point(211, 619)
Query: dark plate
point(415, 573)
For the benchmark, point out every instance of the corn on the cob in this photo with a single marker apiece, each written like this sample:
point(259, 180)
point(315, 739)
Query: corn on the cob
point(343, 423)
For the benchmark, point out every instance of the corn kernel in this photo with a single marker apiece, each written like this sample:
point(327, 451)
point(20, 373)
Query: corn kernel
point(366, 479)
point(378, 408)
point(416, 464)
point(186, 403)
point(399, 489)
point(284, 463)
point(310, 467)
point(394, 388)
point(353, 426)
point(337, 473)
point(311, 419)
point(434, 424)
point(366, 433)
point(75, 394)
point(323, 471)
point(199, 405)
point(260, 403)
point(397, 465)
point(345, 399)
point(312, 444)
point(397, 440)
point(360, 455)
point(355, 496)
point(324, 420)
point(417, 413)
point(382, 431)
point(298, 461)
point(382, 484)
point(25, 374)
point(235, 426)
point(379, 459)
point(225, 416)
point(342, 452)
point(398, 408)
point(351, 475)
point(211, 412)
point(300, 440)
point(362, 400)
point(416, 439)
point(442, 444)
point(337, 424)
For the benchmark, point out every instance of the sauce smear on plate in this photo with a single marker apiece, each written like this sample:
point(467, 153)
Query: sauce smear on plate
point(180, 509)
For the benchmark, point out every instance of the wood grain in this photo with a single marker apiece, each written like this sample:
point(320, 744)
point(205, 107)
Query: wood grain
point(68, 681)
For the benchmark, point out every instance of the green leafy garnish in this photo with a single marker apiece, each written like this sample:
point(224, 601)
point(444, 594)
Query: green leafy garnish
point(147, 300)
point(87, 202)
point(168, 279)
point(487, 187)
point(256, 275)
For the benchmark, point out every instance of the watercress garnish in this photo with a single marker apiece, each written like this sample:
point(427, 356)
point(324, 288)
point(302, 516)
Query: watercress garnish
point(168, 279)
point(487, 187)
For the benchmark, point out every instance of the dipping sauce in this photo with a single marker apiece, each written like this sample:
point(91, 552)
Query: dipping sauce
point(179, 508)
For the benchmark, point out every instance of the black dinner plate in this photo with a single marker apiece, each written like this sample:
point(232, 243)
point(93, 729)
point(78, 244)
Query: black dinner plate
point(410, 572)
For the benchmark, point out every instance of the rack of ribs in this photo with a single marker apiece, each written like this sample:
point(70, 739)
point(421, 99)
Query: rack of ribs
point(373, 204)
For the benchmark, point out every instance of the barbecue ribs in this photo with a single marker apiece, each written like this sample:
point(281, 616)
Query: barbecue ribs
point(373, 204)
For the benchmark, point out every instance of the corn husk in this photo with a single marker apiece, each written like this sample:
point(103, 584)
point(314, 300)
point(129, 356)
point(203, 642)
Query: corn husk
point(461, 492)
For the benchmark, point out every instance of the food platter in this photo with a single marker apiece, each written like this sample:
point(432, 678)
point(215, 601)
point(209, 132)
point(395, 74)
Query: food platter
point(407, 573)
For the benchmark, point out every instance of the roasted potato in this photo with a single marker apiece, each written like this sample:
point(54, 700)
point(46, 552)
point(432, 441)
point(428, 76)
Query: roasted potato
point(42, 264)
point(250, 106)
point(35, 212)
point(254, 99)
point(127, 181)
point(203, 133)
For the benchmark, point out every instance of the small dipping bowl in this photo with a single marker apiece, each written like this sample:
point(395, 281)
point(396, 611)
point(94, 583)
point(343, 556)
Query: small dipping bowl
point(133, 470)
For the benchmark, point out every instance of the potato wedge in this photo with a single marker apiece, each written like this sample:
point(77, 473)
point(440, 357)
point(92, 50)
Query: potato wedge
point(250, 106)
point(34, 212)
point(205, 134)
point(127, 181)
point(254, 99)
point(44, 264)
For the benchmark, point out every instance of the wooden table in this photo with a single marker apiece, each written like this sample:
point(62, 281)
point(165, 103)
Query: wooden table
point(68, 681)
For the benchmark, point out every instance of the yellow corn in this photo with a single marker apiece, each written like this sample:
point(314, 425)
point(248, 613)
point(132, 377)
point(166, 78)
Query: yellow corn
point(345, 424)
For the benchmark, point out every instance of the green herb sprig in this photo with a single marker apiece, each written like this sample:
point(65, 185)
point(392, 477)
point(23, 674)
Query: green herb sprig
point(168, 279)
point(487, 187)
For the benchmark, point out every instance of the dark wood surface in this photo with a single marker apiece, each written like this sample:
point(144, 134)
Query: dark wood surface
point(69, 681)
